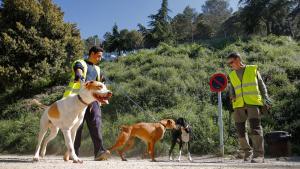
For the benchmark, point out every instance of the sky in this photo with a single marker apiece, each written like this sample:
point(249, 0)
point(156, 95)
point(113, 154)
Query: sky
point(96, 17)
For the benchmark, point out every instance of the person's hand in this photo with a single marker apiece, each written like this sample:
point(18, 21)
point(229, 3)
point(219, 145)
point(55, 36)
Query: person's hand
point(232, 98)
point(268, 106)
point(78, 76)
point(80, 80)
point(268, 103)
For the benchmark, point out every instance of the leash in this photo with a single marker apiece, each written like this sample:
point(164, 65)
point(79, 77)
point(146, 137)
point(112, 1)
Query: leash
point(126, 94)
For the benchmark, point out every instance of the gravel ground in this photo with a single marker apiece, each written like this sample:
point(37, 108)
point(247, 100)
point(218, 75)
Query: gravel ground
point(203, 162)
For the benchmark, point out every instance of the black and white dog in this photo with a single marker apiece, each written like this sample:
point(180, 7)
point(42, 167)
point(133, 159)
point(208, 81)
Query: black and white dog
point(182, 136)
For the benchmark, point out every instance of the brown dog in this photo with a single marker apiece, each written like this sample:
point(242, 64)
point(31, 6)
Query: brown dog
point(150, 133)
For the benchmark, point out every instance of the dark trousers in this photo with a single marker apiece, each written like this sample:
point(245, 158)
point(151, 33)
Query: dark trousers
point(253, 115)
point(93, 120)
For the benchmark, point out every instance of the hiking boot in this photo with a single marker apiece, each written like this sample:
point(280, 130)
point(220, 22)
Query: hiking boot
point(248, 156)
point(102, 155)
point(258, 160)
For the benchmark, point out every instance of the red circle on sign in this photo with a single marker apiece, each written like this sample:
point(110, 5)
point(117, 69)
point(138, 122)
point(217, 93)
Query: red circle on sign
point(218, 82)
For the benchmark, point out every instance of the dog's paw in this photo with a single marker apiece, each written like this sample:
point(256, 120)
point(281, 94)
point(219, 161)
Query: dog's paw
point(36, 159)
point(66, 157)
point(78, 161)
point(171, 159)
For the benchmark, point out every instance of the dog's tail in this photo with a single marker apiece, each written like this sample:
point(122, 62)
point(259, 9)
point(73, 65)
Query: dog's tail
point(36, 102)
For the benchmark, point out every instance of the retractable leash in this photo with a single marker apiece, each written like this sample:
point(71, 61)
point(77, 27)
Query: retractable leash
point(125, 93)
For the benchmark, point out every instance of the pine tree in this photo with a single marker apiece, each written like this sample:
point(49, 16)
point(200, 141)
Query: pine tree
point(183, 25)
point(279, 17)
point(215, 12)
point(160, 27)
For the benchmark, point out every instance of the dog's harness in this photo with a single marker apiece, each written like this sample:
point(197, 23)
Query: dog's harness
point(81, 100)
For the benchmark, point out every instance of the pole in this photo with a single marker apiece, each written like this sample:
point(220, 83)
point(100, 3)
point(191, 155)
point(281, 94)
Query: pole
point(221, 124)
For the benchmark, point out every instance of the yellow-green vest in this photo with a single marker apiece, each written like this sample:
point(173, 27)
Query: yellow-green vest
point(74, 87)
point(247, 90)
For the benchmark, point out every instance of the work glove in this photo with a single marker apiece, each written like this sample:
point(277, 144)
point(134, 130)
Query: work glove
point(80, 80)
point(268, 102)
point(267, 105)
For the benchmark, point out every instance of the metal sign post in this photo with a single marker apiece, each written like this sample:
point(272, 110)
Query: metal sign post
point(218, 82)
point(221, 128)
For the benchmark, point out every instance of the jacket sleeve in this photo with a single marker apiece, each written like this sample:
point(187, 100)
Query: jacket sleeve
point(78, 76)
point(263, 89)
point(231, 90)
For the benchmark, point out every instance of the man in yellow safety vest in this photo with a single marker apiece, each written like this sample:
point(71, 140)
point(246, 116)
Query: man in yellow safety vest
point(87, 70)
point(248, 94)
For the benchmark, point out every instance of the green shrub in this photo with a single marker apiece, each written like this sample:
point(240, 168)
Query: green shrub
point(172, 82)
point(18, 136)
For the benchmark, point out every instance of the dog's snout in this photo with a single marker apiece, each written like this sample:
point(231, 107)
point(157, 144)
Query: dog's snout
point(109, 94)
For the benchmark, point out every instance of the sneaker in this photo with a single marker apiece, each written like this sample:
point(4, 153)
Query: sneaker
point(248, 156)
point(258, 160)
point(102, 155)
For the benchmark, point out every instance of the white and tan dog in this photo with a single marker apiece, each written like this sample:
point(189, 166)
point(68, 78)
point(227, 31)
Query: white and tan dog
point(67, 114)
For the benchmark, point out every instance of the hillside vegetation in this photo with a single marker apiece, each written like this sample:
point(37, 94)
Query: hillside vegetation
point(171, 82)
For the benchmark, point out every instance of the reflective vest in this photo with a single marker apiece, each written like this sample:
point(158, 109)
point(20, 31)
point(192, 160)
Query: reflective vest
point(74, 87)
point(247, 90)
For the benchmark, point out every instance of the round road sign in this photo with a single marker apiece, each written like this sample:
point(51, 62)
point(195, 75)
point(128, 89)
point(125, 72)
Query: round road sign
point(218, 82)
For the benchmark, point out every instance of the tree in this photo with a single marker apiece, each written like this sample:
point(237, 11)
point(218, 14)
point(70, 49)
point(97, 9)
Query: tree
point(270, 17)
point(183, 25)
point(35, 43)
point(147, 36)
point(233, 26)
point(215, 12)
point(134, 40)
point(112, 40)
point(294, 17)
point(123, 40)
point(160, 27)
point(90, 42)
point(202, 30)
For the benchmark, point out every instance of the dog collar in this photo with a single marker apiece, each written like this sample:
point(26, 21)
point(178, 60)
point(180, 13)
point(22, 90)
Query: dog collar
point(81, 100)
point(163, 124)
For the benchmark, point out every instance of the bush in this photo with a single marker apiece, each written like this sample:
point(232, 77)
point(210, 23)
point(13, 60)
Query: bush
point(172, 82)
point(18, 136)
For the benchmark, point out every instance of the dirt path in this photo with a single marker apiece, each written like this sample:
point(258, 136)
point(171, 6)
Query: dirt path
point(203, 162)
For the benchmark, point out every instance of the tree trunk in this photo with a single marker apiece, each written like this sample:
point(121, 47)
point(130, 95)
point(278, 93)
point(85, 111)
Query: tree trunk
point(290, 28)
point(268, 27)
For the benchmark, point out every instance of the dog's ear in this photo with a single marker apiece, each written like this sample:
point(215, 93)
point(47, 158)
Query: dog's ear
point(88, 83)
point(179, 121)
